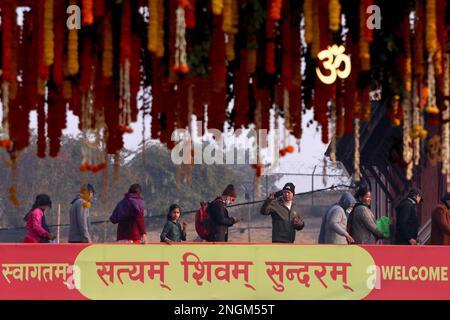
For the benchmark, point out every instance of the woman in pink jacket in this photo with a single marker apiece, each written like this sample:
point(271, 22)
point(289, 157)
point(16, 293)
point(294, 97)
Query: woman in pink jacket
point(37, 229)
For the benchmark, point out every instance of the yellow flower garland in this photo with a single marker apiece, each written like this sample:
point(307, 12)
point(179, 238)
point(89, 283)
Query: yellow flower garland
point(160, 47)
point(364, 53)
point(49, 36)
point(72, 52)
point(156, 27)
point(230, 22)
point(334, 8)
point(153, 26)
point(217, 7)
point(309, 27)
point(431, 33)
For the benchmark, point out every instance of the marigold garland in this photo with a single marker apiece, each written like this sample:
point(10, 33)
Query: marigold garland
point(217, 7)
point(88, 12)
point(156, 27)
point(335, 15)
point(315, 48)
point(230, 23)
point(49, 36)
point(431, 36)
point(108, 54)
point(309, 26)
point(72, 53)
point(364, 52)
point(275, 9)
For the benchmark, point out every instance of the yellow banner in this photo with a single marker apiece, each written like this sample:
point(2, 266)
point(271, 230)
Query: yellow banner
point(226, 272)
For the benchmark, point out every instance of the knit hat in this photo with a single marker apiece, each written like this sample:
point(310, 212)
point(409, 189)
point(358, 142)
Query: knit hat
point(229, 191)
point(289, 187)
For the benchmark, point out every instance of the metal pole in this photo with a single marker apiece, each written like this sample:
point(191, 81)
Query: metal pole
point(59, 223)
point(267, 186)
point(249, 225)
point(249, 217)
point(312, 185)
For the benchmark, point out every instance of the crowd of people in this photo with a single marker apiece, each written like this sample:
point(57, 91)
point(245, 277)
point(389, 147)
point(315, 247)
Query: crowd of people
point(349, 221)
point(352, 221)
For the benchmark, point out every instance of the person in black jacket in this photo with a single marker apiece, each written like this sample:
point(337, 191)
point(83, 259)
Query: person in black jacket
point(407, 225)
point(219, 218)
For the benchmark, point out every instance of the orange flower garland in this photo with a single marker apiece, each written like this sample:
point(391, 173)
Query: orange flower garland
point(364, 52)
point(49, 36)
point(87, 12)
point(275, 9)
point(72, 53)
point(335, 15)
point(309, 27)
point(217, 7)
point(431, 36)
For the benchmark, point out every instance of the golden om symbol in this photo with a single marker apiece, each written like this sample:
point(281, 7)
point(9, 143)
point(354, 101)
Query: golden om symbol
point(334, 56)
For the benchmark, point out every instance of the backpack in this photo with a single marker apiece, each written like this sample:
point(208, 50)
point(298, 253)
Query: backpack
point(202, 221)
point(123, 212)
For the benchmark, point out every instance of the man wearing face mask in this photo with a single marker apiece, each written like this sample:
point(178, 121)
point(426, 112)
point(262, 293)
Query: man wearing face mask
point(407, 224)
point(286, 219)
point(220, 221)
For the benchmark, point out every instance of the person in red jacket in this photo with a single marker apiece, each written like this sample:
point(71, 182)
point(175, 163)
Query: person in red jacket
point(132, 230)
point(37, 229)
point(440, 223)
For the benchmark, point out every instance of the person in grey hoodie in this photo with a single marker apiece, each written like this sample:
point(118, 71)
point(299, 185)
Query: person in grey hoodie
point(79, 216)
point(334, 222)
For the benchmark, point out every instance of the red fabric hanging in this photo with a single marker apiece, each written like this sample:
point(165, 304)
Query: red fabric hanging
point(270, 46)
point(241, 103)
point(295, 92)
point(190, 15)
point(8, 19)
point(60, 38)
point(135, 75)
point(44, 70)
point(99, 8)
point(41, 142)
